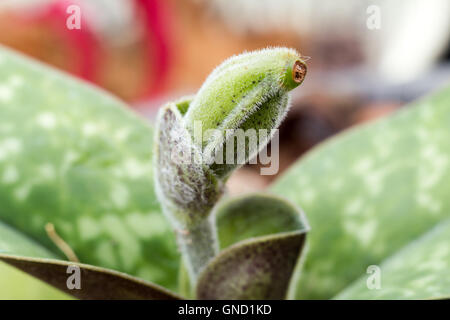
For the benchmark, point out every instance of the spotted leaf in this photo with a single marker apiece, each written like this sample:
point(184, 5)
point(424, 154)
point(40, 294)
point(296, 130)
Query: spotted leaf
point(418, 271)
point(76, 157)
point(370, 191)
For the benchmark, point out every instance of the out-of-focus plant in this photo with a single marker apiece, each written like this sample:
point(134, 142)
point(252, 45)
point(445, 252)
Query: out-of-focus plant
point(372, 191)
point(77, 181)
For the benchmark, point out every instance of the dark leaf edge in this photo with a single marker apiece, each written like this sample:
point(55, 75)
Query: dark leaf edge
point(96, 282)
point(206, 279)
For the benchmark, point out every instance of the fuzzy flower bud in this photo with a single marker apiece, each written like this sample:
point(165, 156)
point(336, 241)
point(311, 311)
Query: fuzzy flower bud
point(248, 92)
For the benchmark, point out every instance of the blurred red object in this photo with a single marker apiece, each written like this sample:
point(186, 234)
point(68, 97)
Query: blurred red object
point(82, 44)
point(85, 54)
point(157, 20)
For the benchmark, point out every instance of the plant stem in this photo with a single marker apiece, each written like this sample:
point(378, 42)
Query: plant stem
point(198, 245)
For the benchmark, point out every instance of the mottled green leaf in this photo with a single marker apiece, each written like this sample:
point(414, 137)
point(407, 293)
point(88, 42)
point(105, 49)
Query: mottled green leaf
point(75, 157)
point(96, 283)
point(263, 237)
point(370, 191)
point(419, 271)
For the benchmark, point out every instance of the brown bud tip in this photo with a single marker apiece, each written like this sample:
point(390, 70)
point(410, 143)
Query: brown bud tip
point(298, 71)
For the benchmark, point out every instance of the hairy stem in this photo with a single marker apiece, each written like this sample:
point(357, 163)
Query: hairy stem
point(198, 245)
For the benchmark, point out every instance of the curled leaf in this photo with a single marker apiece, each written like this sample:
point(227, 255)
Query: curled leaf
point(263, 237)
point(185, 186)
point(252, 269)
point(256, 215)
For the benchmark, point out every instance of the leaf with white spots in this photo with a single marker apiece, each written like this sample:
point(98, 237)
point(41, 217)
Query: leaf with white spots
point(370, 191)
point(418, 271)
point(76, 157)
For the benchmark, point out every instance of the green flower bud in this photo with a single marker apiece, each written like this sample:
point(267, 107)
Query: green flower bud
point(248, 91)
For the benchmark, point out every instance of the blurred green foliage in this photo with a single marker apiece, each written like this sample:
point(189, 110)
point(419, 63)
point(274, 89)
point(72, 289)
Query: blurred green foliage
point(370, 191)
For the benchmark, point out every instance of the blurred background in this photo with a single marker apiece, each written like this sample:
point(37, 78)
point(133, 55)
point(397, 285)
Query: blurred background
point(368, 58)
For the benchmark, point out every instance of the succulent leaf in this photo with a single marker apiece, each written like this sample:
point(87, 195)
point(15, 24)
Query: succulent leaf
point(96, 282)
point(74, 156)
point(370, 191)
point(256, 215)
point(262, 238)
point(27, 255)
point(259, 268)
point(420, 270)
point(17, 285)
